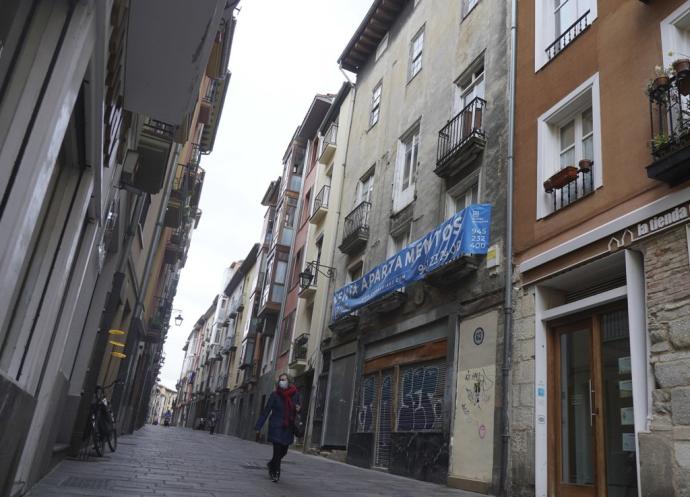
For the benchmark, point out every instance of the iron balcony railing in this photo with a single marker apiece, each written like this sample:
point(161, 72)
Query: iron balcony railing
point(299, 351)
point(321, 199)
point(579, 187)
point(573, 31)
point(357, 220)
point(460, 129)
point(669, 118)
point(160, 129)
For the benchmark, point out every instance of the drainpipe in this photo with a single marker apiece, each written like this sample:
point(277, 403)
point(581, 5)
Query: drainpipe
point(138, 308)
point(508, 290)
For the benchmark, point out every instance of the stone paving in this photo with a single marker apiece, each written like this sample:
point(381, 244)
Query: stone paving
point(176, 462)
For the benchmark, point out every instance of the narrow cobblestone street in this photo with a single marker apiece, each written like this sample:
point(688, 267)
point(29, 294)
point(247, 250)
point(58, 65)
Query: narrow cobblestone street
point(176, 462)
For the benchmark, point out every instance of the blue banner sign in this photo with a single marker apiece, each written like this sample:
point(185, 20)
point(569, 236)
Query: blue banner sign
point(467, 232)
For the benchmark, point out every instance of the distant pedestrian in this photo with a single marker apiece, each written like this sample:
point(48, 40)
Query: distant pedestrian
point(282, 406)
point(212, 422)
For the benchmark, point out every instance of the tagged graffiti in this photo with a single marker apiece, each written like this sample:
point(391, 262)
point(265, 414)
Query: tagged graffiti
point(365, 410)
point(478, 390)
point(421, 399)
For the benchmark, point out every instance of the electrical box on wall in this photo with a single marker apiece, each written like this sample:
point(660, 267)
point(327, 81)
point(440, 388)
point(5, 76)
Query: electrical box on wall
point(493, 256)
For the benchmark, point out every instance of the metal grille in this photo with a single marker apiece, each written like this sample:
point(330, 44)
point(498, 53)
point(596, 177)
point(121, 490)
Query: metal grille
point(420, 397)
point(383, 432)
point(614, 325)
point(595, 289)
point(366, 405)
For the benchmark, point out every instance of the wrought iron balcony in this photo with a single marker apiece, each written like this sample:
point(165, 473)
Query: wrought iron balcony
point(568, 36)
point(299, 351)
point(570, 184)
point(356, 229)
point(669, 116)
point(329, 144)
point(320, 205)
point(461, 140)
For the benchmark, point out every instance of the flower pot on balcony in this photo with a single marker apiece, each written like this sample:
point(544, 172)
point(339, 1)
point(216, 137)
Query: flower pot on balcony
point(682, 70)
point(561, 178)
point(585, 165)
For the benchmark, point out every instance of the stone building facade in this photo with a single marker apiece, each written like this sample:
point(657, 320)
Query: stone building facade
point(427, 139)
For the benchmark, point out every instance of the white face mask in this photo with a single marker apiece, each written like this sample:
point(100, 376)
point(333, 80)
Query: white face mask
point(283, 384)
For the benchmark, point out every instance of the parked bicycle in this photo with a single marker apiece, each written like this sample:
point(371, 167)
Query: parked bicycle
point(101, 428)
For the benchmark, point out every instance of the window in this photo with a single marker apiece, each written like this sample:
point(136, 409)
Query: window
point(354, 272)
point(557, 24)
point(365, 187)
point(406, 169)
point(375, 104)
point(416, 49)
point(455, 203)
point(306, 207)
point(470, 86)
point(383, 44)
point(296, 268)
point(398, 242)
point(566, 134)
point(290, 208)
point(467, 6)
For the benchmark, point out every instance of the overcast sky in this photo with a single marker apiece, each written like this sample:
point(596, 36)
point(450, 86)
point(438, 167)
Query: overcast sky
point(283, 53)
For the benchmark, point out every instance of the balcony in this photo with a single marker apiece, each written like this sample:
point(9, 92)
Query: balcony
point(320, 205)
point(345, 324)
point(228, 345)
point(144, 169)
point(568, 36)
point(299, 352)
point(356, 229)
point(670, 131)
point(454, 272)
point(329, 144)
point(570, 184)
point(461, 141)
point(388, 303)
point(173, 253)
point(212, 103)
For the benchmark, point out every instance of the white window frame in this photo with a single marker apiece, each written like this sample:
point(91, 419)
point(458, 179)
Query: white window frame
point(675, 38)
point(375, 104)
point(548, 138)
point(460, 191)
point(470, 81)
point(545, 28)
point(404, 197)
point(397, 243)
point(411, 72)
point(365, 188)
point(382, 46)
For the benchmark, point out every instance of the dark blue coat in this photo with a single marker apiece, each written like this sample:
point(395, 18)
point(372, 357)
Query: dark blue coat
point(277, 433)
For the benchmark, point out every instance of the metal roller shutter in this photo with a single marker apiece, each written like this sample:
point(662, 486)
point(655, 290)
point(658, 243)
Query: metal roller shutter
point(420, 397)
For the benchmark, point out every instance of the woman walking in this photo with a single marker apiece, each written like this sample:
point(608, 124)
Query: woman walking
point(282, 406)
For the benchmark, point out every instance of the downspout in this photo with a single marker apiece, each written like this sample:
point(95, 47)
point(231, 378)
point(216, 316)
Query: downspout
point(326, 313)
point(508, 284)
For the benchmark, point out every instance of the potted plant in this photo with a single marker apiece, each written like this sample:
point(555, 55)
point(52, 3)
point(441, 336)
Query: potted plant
point(659, 143)
point(681, 67)
point(585, 165)
point(658, 86)
point(561, 178)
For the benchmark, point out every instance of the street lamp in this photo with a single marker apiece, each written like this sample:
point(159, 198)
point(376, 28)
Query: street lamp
point(307, 276)
point(178, 318)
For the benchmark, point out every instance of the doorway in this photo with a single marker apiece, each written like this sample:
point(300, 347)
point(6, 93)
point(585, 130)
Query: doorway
point(592, 444)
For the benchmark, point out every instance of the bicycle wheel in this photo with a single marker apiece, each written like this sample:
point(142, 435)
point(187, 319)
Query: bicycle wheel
point(98, 443)
point(112, 440)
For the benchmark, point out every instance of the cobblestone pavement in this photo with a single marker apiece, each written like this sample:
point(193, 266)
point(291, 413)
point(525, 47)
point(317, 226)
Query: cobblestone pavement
point(175, 462)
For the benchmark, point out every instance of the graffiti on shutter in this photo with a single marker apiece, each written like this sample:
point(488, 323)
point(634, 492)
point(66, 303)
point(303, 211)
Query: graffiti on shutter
point(420, 394)
point(383, 433)
point(366, 404)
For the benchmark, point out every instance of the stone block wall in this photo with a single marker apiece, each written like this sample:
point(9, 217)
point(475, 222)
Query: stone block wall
point(521, 462)
point(665, 451)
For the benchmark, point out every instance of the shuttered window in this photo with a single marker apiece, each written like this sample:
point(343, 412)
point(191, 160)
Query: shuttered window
point(420, 397)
